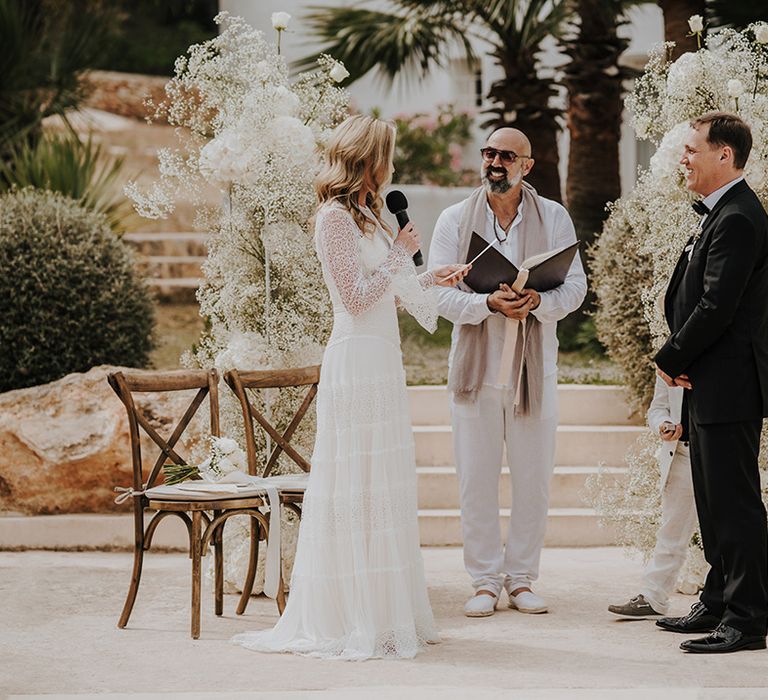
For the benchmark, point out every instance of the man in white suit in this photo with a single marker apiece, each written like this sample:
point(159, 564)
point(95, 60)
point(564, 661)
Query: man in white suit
point(667, 416)
point(494, 404)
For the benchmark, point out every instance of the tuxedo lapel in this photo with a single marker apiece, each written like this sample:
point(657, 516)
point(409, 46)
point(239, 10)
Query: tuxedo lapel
point(674, 281)
point(738, 188)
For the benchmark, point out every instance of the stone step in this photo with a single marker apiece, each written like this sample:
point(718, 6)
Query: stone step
point(439, 488)
point(182, 243)
point(566, 527)
point(579, 404)
point(164, 267)
point(576, 445)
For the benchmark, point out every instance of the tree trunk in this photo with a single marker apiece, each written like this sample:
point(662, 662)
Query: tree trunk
point(594, 82)
point(676, 15)
point(522, 102)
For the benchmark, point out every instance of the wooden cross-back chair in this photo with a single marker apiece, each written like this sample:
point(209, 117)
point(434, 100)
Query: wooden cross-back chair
point(243, 382)
point(203, 529)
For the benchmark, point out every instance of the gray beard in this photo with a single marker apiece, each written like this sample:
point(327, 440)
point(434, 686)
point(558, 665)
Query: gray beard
point(497, 187)
point(500, 186)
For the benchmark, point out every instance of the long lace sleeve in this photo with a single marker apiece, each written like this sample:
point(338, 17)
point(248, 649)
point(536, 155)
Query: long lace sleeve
point(426, 279)
point(337, 235)
point(417, 294)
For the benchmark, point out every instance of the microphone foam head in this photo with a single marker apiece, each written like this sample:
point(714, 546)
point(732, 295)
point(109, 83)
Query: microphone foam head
point(396, 201)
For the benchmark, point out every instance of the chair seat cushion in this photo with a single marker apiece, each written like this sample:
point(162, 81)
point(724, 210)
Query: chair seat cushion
point(206, 491)
point(202, 491)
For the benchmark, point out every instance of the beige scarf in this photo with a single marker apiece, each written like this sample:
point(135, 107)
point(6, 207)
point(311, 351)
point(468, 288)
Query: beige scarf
point(468, 366)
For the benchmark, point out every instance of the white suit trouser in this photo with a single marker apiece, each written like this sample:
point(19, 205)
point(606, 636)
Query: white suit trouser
point(678, 521)
point(480, 431)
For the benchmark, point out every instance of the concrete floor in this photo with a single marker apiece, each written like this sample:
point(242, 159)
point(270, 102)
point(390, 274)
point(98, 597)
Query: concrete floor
point(58, 636)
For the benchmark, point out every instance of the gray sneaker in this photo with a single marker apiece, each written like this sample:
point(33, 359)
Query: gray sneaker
point(636, 607)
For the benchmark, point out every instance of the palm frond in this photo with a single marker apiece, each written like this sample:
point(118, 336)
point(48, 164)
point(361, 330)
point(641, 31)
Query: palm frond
point(413, 38)
point(78, 170)
point(46, 46)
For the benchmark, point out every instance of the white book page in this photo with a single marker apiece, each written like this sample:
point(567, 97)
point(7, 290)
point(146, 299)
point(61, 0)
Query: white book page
point(534, 260)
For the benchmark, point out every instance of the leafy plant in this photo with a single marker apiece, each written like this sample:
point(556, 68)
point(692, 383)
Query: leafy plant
point(70, 295)
point(79, 170)
point(428, 148)
point(46, 45)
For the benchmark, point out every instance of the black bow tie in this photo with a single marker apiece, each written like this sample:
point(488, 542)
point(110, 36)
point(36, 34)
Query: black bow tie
point(700, 208)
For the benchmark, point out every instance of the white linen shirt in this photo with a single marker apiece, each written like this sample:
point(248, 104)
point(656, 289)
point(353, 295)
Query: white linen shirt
point(460, 306)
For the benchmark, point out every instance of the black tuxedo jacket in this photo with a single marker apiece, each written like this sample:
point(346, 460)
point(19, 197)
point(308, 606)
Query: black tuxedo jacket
point(716, 306)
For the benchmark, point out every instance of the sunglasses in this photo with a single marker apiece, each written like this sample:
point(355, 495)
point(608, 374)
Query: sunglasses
point(506, 157)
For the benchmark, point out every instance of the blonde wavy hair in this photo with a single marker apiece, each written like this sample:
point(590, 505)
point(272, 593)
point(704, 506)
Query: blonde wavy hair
point(359, 155)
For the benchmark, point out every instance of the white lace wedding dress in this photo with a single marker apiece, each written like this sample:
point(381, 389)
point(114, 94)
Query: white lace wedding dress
point(358, 589)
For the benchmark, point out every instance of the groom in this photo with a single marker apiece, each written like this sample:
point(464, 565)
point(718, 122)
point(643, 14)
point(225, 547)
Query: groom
point(493, 402)
point(716, 306)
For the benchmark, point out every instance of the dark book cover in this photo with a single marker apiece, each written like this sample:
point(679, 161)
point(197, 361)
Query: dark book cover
point(492, 269)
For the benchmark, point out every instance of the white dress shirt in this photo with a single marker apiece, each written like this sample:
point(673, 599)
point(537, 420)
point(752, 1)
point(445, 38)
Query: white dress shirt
point(459, 306)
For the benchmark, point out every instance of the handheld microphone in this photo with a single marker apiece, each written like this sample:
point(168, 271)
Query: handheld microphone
point(397, 205)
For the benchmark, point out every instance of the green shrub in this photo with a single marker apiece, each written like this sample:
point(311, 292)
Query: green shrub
point(619, 272)
point(70, 296)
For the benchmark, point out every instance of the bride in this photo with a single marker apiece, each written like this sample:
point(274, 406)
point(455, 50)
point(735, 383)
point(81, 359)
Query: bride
point(358, 589)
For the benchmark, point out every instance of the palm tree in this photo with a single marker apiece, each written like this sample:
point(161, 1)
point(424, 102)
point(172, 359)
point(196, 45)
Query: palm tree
point(676, 15)
point(415, 34)
point(593, 78)
point(46, 46)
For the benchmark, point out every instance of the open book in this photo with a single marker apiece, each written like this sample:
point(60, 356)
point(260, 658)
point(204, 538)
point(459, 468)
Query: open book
point(541, 272)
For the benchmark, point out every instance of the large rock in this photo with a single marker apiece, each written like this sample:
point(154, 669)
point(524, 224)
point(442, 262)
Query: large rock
point(65, 445)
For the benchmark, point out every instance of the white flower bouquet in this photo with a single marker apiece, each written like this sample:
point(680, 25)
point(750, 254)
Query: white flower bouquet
point(225, 458)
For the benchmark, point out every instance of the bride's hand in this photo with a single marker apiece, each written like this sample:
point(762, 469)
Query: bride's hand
point(450, 275)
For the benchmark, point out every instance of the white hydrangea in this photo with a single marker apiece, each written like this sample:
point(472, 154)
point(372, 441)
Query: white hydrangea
point(684, 74)
point(665, 162)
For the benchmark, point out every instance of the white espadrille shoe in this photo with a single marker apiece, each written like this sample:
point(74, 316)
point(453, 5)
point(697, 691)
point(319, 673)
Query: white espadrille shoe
point(483, 605)
point(527, 602)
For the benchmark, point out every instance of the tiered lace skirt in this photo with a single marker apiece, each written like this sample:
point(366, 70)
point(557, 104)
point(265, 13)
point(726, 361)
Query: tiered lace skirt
point(358, 589)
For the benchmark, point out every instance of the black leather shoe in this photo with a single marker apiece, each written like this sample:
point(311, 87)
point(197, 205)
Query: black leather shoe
point(724, 640)
point(700, 619)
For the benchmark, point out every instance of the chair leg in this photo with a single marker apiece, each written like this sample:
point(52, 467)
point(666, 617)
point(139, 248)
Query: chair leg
point(196, 547)
point(138, 561)
point(133, 589)
point(281, 593)
point(252, 564)
point(218, 553)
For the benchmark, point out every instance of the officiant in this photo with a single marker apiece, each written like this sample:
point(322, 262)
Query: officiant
point(503, 371)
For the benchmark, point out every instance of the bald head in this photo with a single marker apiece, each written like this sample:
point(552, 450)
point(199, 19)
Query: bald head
point(506, 161)
point(508, 139)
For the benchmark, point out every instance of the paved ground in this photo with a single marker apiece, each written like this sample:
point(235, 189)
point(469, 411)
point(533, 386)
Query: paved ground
point(58, 636)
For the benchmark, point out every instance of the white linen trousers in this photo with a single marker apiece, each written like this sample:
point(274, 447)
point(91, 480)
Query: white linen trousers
point(480, 432)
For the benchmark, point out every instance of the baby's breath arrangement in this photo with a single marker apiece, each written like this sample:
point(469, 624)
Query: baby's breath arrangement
point(256, 134)
point(646, 232)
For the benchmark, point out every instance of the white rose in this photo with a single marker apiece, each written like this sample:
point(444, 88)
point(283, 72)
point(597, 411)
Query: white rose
point(225, 445)
point(225, 466)
point(339, 72)
point(735, 88)
point(761, 33)
point(280, 20)
point(696, 23)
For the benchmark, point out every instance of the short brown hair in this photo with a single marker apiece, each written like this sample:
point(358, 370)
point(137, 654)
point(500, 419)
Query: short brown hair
point(726, 129)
